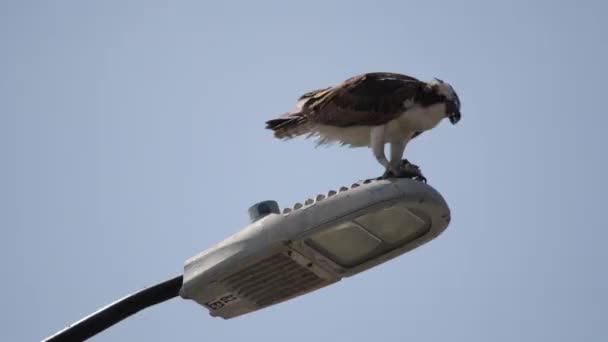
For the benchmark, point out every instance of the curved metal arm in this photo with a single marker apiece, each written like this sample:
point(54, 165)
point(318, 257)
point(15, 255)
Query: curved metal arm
point(117, 311)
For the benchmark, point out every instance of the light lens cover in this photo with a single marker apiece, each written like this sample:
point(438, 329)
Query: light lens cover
point(393, 225)
point(354, 242)
point(347, 244)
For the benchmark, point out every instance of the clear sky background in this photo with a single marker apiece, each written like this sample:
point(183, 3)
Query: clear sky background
point(132, 137)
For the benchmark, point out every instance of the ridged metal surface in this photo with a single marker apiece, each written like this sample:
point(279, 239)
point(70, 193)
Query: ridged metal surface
point(321, 197)
point(272, 280)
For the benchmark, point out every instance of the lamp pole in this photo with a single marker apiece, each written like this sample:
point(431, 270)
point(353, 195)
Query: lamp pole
point(118, 311)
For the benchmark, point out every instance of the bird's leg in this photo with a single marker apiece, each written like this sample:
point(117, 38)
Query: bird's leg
point(397, 149)
point(377, 142)
point(404, 167)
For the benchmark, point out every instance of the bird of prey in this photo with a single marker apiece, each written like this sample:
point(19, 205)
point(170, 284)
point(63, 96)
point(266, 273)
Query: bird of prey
point(371, 110)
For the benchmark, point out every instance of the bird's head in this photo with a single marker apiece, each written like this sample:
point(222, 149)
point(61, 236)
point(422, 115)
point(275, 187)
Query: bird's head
point(448, 95)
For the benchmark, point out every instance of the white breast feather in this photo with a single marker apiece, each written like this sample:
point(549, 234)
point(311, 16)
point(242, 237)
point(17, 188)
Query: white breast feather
point(413, 120)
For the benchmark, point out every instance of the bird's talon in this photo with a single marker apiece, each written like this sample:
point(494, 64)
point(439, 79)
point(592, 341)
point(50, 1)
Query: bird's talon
point(388, 174)
point(406, 164)
point(420, 178)
point(404, 173)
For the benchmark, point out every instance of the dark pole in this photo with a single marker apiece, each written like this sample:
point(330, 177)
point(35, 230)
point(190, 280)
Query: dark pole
point(117, 311)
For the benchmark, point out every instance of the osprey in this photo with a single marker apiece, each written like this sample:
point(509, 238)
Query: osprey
point(371, 110)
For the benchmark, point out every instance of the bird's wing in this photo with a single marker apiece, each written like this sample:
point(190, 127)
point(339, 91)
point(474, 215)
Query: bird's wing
point(368, 99)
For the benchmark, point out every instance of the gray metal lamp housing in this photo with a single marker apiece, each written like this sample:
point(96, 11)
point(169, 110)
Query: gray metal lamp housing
point(282, 255)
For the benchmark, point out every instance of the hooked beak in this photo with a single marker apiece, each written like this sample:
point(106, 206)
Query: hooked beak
point(453, 110)
point(454, 117)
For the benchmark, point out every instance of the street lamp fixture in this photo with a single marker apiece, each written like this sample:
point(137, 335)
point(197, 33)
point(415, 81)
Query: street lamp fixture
point(284, 254)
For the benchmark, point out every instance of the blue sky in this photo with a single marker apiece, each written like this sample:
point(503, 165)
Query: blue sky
point(132, 137)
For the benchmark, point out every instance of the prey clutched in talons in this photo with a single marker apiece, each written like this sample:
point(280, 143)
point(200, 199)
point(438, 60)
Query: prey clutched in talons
point(406, 170)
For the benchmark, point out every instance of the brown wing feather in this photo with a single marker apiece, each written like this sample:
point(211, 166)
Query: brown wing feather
point(368, 99)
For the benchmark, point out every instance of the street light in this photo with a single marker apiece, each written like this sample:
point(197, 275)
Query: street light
point(285, 254)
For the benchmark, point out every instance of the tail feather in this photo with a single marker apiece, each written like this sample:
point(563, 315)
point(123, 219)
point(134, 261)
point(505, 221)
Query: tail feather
point(295, 122)
point(288, 126)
